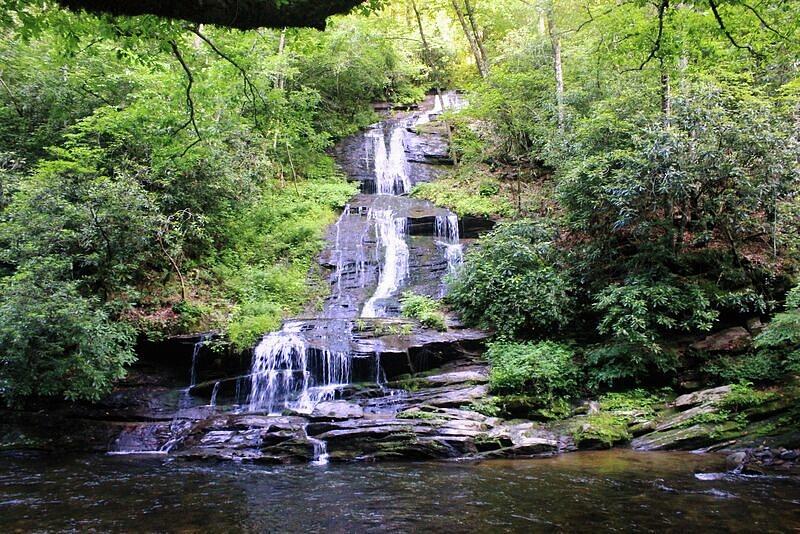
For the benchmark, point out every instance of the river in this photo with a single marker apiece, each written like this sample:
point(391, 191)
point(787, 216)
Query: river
point(582, 492)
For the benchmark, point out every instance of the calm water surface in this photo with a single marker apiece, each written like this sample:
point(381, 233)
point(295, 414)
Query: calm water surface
point(582, 492)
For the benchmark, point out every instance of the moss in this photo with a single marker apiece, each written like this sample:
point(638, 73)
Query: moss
point(636, 400)
point(417, 414)
point(464, 197)
point(557, 409)
point(601, 429)
point(425, 309)
point(743, 396)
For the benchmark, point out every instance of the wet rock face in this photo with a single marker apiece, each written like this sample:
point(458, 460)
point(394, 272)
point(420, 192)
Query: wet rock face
point(428, 423)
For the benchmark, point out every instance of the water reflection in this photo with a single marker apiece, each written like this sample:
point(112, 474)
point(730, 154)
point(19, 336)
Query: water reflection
point(618, 490)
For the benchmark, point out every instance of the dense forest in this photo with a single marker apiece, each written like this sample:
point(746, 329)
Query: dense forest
point(159, 177)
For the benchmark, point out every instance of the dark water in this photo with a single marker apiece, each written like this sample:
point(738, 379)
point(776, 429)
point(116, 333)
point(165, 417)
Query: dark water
point(608, 491)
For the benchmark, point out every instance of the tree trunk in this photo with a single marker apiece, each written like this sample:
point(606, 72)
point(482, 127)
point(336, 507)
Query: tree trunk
point(558, 67)
point(473, 45)
point(478, 37)
point(281, 81)
point(666, 95)
point(426, 49)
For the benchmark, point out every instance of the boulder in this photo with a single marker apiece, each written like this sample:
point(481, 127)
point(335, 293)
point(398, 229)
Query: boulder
point(734, 339)
point(704, 396)
point(336, 410)
point(683, 438)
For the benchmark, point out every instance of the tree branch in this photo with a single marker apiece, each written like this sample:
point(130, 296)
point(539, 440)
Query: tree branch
point(249, 86)
point(712, 4)
point(189, 102)
point(11, 97)
point(241, 14)
point(764, 22)
point(662, 7)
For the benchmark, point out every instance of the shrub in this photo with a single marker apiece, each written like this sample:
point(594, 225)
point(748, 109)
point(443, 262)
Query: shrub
point(782, 334)
point(616, 365)
point(640, 309)
point(54, 342)
point(463, 197)
point(253, 320)
point(512, 284)
point(784, 329)
point(424, 309)
point(633, 400)
point(759, 366)
point(743, 396)
point(544, 370)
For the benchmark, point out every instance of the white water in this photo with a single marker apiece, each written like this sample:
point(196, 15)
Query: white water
point(195, 353)
point(214, 392)
point(391, 167)
point(283, 377)
point(391, 233)
point(447, 237)
point(446, 227)
point(320, 451)
point(438, 105)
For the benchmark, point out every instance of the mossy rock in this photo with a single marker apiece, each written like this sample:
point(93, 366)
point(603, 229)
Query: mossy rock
point(601, 430)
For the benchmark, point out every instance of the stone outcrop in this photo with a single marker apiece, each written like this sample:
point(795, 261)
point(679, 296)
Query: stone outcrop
point(734, 339)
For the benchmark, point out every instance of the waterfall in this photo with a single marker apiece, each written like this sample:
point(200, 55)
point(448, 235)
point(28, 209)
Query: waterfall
point(288, 374)
point(195, 352)
point(339, 253)
point(214, 392)
point(391, 235)
point(391, 167)
point(446, 227)
point(438, 105)
point(447, 235)
point(320, 451)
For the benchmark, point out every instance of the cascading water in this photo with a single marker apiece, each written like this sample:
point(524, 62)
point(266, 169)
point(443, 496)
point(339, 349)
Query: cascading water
point(320, 449)
point(447, 234)
point(311, 360)
point(438, 105)
point(214, 393)
point(195, 353)
point(289, 374)
point(391, 236)
point(391, 167)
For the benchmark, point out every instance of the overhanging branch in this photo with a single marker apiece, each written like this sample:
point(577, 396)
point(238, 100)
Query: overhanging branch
point(241, 14)
point(189, 102)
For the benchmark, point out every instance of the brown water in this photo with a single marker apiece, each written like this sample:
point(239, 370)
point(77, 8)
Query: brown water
point(582, 492)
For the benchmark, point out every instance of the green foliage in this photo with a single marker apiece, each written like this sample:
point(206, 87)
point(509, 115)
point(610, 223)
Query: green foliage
point(638, 310)
point(486, 406)
point(759, 367)
point(544, 370)
point(781, 338)
point(743, 396)
point(464, 197)
point(783, 332)
point(204, 214)
point(425, 309)
point(56, 342)
point(601, 429)
point(615, 365)
point(511, 283)
point(635, 400)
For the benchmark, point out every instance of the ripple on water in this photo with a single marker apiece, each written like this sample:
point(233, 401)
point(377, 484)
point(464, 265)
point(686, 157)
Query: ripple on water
point(615, 490)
